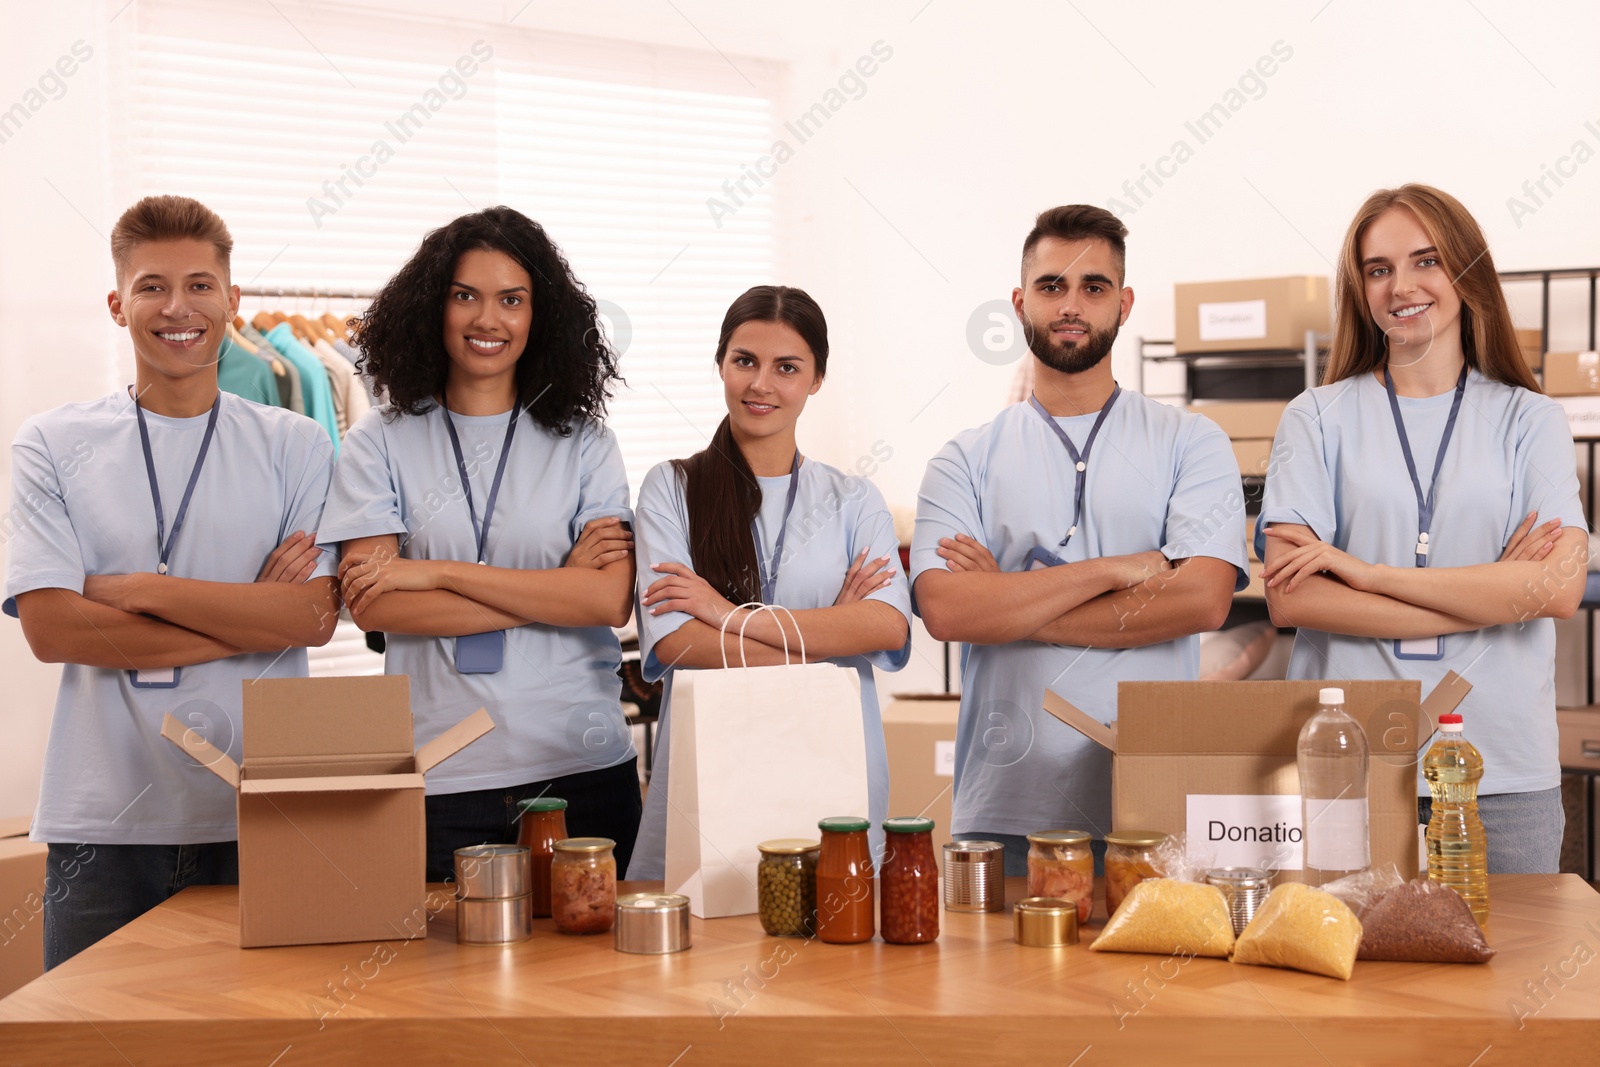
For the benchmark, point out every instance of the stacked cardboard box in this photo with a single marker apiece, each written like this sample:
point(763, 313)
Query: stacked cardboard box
point(1257, 314)
point(1250, 426)
point(22, 868)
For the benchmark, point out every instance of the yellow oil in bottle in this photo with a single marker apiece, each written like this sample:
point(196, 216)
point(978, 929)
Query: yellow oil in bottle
point(1458, 854)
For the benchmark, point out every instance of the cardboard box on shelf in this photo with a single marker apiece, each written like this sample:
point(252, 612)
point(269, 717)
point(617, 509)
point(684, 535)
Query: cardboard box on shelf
point(331, 833)
point(1254, 455)
point(1216, 760)
point(1531, 344)
point(1580, 737)
point(1250, 315)
point(1583, 415)
point(22, 868)
point(15, 826)
point(1572, 373)
point(1244, 419)
point(919, 730)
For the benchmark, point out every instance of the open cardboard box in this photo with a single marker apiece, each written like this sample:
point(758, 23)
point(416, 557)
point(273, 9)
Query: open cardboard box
point(332, 842)
point(1216, 760)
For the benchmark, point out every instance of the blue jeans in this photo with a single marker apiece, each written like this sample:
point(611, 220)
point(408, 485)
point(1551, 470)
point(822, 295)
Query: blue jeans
point(1523, 829)
point(602, 803)
point(1017, 851)
point(92, 890)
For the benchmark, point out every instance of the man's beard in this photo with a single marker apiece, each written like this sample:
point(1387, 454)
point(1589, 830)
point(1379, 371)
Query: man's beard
point(1075, 358)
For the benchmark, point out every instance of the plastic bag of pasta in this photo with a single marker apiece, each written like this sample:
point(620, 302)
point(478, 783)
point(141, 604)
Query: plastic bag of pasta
point(1167, 917)
point(1303, 929)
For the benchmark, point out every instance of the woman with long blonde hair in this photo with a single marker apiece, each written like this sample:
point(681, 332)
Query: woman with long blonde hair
point(1422, 511)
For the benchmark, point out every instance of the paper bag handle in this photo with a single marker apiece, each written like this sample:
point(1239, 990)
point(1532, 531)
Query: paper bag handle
point(759, 607)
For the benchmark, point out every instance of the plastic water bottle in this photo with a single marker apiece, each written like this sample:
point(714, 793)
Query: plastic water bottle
point(1332, 755)
point(1458, 851)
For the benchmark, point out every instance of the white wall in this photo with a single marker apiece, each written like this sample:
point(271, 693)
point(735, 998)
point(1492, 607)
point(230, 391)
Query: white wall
point(905, 212)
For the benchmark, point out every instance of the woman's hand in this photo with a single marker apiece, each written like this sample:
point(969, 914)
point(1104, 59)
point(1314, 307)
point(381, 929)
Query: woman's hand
point(364, 577)
point(864, 578)
point(962, 553)
point(293, 561)
point(1309, 555)
point(602, 542)
point(1530, 544)
point(681, 589)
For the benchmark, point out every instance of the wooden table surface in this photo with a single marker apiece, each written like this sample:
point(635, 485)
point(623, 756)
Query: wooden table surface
point(174, 988)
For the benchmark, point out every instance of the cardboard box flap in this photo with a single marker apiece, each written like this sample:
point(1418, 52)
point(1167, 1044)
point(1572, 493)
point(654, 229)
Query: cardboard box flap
point(453, 740)
point(1096, 731)
point(203, 752)
point(1244, 718)
point(337, 783)
point(299, 717)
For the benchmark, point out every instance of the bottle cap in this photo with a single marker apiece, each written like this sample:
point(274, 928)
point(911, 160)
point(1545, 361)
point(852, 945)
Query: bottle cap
point(1450, 724)
point(1331, 695)
point(1443, 719)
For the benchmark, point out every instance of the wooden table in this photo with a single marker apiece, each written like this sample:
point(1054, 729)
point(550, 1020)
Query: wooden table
point(174, 988)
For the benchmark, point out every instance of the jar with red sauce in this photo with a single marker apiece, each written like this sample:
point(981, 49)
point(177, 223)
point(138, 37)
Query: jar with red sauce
point(845, 890)
point(909, 882)
point(542, 823)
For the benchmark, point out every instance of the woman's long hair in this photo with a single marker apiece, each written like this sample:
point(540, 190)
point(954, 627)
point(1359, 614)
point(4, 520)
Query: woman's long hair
point(720, 490)
point(1488, 340)
point(564, 375)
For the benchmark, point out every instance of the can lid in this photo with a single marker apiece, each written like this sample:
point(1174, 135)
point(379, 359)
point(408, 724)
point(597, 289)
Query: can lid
point(543, 804)
point(483, 852)
point(908, 824)
point(965, 851)
point(652, 902)
point(1059, 837)
point(788, 846)
point(1135, 838)
point(842, 824)
point(1239, 877)
point(585, 844)
point(1331, 695)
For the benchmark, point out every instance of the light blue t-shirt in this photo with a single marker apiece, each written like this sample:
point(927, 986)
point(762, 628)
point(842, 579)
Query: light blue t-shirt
point(313, 378)
point(81, 504)
point(556, 702)
point(1157, 478)
point(1337, 468)
point(835, 516)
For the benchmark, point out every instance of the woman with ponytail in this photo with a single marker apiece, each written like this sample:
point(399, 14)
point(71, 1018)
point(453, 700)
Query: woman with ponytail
point(751, 519)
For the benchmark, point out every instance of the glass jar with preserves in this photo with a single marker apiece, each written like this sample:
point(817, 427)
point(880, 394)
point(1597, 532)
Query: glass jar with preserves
point(786, 887)
point(1130, 859)
point(910, 882)
point(845, 891)
point(542, 823)
point(583, 885)
point(1061, 865)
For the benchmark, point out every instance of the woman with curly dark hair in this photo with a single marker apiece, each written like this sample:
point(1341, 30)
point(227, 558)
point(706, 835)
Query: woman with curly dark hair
point(484, 520)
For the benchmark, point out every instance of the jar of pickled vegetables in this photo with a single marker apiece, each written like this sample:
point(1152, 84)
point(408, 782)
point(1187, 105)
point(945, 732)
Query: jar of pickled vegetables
point(1130, 859)
point(910, 883)
point(1061, 865)
point(846, 896)
point(786, 887)
point(542, 823)
point(583, 885)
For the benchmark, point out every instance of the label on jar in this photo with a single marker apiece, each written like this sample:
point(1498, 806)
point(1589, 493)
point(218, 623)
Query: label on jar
point(1247, 829)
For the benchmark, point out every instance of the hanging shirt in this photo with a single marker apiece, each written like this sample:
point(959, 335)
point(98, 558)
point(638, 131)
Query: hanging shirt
point(350, 398)
point(835, 516)
point(1338, 469)
point(1158, 478)
point(242, 374)
point(81, 502)
point(556, 703)
point(313, 379)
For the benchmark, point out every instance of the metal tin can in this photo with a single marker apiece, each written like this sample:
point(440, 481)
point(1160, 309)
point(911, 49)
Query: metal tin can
point(1244, 888)
point(1130, 859)
point(1061, 866)
point(652, 924)
point(492, 872)
point(974, 876)
point(786, 886)
point(504, 921)
point(1045, 922)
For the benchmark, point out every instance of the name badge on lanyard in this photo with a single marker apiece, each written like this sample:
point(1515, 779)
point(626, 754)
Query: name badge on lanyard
point(769, 581)
point(1041, 557)
point(483, 653)
point(168, 677)
point(1426, 648)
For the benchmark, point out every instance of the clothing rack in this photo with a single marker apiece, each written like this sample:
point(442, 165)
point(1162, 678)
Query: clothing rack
point(313, 292)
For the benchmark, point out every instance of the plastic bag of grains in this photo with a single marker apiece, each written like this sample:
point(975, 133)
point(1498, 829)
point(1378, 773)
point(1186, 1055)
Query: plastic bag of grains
point(1167, 917)
point(1303, 929)
point(1422, 922)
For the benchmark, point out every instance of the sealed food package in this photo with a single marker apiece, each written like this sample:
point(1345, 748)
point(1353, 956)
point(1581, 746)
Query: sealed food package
point(1167, 917)
point(1303, 929)
point(1359, 890)
point(1422, 922)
